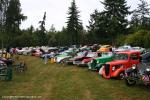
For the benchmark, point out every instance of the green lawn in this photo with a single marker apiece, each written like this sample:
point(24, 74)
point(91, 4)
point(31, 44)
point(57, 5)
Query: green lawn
point(62, 82)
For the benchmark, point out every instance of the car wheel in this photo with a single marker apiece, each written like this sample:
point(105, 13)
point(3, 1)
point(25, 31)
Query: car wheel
point(61, 62)
point(121, 76)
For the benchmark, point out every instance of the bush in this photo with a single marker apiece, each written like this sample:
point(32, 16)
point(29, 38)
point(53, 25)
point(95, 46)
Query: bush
point(140, 38)
point(120, 40)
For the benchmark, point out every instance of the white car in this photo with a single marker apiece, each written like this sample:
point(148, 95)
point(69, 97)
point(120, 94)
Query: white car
point(123, 48)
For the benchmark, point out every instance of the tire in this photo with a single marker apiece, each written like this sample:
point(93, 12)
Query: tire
point(130, 82)
point(121, 76)
point(62, 62)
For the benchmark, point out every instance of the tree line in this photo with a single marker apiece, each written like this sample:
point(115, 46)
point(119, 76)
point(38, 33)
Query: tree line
point(110, 26)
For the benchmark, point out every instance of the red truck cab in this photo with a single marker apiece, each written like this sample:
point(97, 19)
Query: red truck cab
point(123, 60)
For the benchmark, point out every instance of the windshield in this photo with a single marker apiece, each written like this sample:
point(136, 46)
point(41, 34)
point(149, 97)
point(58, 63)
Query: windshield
point(121, 56)
point(124, 47)
point(80, 54)
point(65, 54)
point(91, 55)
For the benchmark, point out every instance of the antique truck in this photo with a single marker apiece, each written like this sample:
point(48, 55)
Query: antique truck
point(122, 61)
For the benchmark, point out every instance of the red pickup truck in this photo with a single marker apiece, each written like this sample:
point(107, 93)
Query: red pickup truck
point(123, 60)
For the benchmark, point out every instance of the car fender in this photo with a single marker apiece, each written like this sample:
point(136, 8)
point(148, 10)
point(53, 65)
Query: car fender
point(103, 73)
point(117, 72)
point(101, 70)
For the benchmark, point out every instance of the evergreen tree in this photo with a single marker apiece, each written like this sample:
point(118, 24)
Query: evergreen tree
point(115, 14)
point(3, 8)
point(93, 27)
point(14, 17)
point(97, 28)
point(10, 20)
point(105, 26)
point(74, 25)
point(52, 36)
point(141, 17)
point(41, 34)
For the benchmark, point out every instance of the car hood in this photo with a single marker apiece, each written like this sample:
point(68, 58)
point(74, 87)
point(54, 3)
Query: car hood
point(116, 62)
point(77, 57)
point(61, 55)
point(104, 57)
point(87, 60)
point(61, 58)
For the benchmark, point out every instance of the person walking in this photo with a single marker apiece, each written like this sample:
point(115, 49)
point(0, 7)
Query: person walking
point(45, 59)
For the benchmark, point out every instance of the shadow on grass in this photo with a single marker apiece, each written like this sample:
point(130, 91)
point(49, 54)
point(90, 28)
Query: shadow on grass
point(142, 87)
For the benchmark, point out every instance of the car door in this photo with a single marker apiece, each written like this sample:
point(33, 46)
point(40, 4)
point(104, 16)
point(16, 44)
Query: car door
point(134, 59)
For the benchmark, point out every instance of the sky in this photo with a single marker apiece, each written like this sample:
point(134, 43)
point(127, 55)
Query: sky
point(56, 11)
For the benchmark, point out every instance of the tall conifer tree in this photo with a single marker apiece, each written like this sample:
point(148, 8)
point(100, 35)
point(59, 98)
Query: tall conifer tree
point(41, 34)
point(109, 23)
point(141, 16)
point(74, 25)
point(116, 12)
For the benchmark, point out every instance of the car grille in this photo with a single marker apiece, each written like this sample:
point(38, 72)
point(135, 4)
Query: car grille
point(107, 69)
point(94, 62)
point(76, 62)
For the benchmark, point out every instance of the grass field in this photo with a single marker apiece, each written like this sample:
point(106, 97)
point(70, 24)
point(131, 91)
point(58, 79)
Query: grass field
point(62, 82)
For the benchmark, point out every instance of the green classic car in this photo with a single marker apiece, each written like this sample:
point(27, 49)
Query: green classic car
point(97, 63)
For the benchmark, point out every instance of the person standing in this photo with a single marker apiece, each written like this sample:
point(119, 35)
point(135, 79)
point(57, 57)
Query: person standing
point(45, 59)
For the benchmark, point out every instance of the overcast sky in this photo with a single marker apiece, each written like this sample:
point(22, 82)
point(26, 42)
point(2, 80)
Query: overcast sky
point(56, 11)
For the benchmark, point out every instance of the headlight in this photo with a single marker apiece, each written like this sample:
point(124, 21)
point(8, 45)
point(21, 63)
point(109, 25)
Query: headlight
point(83, 62)
point(97, 62)
point(117, 66)
point(147, 69)
point(133, 66)
point(91, 61)
point(113, 68)
point(102, 66)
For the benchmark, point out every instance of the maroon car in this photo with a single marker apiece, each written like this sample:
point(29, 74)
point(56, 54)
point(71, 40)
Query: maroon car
point(83, 61)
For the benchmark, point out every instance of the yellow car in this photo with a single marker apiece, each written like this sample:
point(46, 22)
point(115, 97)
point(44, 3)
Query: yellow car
point(105, 48)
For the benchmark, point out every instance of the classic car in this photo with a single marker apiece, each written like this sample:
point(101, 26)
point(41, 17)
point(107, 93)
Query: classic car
point(24, 51)
point(77, 56)
point(123, 60)
point(60, 58)
point(37, 52)
point(97, 63)
point(140, 49)
point(105, 48)
point(123, 48)
point(83, 61)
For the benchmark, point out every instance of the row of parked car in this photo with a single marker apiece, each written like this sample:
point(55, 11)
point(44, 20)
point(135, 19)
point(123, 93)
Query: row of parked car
point(125, 62)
